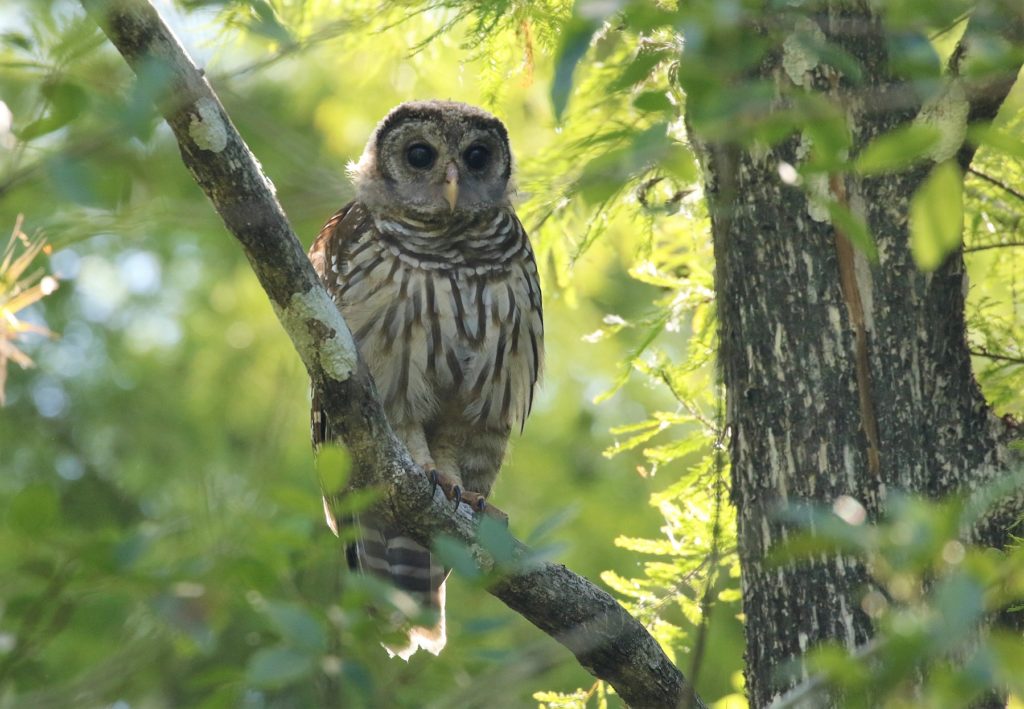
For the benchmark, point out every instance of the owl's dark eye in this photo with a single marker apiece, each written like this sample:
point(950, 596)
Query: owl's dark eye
point(476, 157)
point(420, 155)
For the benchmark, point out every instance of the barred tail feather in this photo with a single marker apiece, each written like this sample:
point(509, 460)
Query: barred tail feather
point(410, 568)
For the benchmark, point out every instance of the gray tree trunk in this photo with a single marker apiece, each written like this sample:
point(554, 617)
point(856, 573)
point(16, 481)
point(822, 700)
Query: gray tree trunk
point(800, 428)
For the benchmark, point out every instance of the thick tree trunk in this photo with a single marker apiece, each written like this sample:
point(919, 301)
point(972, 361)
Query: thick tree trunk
point(801, 429)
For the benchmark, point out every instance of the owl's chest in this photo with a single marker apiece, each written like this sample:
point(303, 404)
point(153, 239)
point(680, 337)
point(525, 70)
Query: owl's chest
point(433, 337)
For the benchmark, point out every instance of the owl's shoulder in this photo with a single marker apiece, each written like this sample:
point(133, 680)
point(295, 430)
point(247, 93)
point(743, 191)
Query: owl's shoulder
point(337, 236)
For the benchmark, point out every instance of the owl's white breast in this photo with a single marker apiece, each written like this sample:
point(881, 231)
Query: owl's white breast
point(433, 337)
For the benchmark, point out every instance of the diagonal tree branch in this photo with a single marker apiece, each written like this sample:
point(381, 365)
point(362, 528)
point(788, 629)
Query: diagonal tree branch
point(606, 640)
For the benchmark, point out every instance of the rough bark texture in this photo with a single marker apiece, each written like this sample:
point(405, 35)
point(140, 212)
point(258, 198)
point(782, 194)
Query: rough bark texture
point(606, 640)
point(788, 349)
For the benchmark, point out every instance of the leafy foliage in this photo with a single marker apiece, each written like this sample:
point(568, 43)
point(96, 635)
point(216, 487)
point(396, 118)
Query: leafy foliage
point(160, 539)
point(933, 599)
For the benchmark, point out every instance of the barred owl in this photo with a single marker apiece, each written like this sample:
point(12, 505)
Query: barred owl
point(435, 276)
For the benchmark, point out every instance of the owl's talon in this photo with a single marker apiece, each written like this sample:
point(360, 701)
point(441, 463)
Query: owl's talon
point(448, 484)
point(457, 495)
point(480, 505)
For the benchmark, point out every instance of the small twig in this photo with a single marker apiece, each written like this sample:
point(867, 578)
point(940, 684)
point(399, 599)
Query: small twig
point(982, 352)
point(998, 183)
point(707, 600)
point(986, 247)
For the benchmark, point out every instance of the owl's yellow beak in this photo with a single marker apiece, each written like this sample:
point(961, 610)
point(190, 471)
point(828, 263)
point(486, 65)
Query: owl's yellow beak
point(451, 185)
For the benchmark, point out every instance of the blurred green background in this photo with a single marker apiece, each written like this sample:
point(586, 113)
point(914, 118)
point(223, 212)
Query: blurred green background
point(161, 533)
point(163, 541)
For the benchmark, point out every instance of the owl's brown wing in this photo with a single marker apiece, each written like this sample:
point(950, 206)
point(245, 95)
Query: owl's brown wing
point(329, 256)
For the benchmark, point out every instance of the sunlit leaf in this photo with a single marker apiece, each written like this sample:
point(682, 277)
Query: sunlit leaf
point(897, 149)
point(333, 464)
point(653, 102)
point(576, 38)
point(936, 216)
point(1000, 140)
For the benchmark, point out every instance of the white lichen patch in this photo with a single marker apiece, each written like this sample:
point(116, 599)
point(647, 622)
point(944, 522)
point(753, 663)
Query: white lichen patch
point(798, 54)
point(816, 187)
point(207, 128)
point(812, 293)
point(337, 354)
point(947, 112)
point(818, 197)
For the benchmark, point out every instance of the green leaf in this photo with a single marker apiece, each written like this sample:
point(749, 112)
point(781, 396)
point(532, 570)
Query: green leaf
point(999, 140)
point(34, 510)
point(837, 664)
point(1008, 651)
point(496, 539)
point(333, 464)
point(603, 176)
point(830, 138)
point(297, 626)
point(639, 69)
point(679, 162)
point(67, 100)
point(937, 216)
point(456, 555)
point(646, 16)
point(897, 149)
point(276, 667)
point(576, 38)
point(854, 228)
point(355, 501)
point(16, 39)
point(653, 102)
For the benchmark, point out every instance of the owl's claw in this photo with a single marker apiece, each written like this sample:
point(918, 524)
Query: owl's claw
point(480, 504)
point(449, 485)
point(435, 479)
point(452, 490)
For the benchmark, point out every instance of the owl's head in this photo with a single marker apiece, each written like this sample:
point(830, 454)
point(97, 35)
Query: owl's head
point(435, 160)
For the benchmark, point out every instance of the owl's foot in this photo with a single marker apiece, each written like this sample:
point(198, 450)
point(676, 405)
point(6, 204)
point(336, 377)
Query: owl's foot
point(452, 490)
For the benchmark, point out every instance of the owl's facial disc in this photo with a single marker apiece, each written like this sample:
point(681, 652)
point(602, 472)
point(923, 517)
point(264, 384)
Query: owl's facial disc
point(435, 160)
